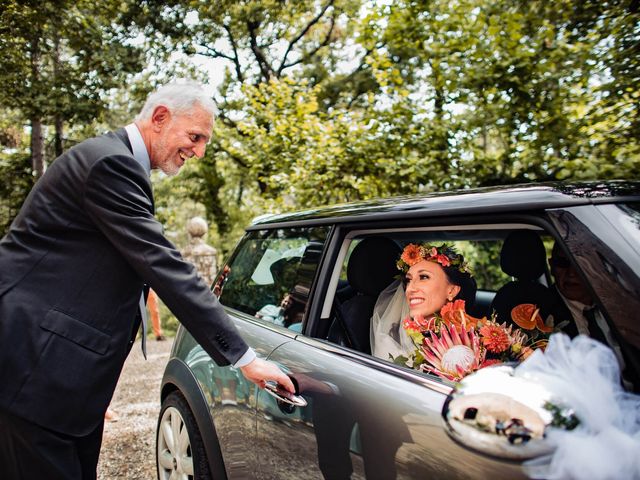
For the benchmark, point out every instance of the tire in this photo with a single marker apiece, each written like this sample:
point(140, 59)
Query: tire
point(185, 459)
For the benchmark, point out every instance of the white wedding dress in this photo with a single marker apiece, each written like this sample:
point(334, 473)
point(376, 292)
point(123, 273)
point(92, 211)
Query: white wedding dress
point(606, 444)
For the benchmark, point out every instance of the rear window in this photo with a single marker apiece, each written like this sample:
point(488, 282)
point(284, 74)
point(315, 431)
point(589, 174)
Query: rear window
point(271, 273)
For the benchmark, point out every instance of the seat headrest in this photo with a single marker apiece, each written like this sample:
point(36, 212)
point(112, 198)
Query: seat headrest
point(372, 265)
point(284, 268)
point(523, 255)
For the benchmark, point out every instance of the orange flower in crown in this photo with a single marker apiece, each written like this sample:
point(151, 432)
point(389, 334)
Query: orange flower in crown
point(412, 254)
point(443, 254)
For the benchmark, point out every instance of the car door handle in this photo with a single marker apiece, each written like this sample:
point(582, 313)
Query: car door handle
point(283, 395)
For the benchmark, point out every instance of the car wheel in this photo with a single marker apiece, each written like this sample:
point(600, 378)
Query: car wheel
point(180, 452)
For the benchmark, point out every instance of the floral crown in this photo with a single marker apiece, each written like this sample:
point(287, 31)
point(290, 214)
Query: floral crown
point(443, 254)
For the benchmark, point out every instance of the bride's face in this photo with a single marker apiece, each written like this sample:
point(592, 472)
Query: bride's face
point(428, 288)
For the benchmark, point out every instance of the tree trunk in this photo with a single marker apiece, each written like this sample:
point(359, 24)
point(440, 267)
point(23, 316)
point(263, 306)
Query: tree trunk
point(58, 143)
point(37, 138)
point(37, 147)
point(441, 142)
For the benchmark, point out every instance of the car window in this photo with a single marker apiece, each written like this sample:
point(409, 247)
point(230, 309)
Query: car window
point(505, 270)
point(271, 274)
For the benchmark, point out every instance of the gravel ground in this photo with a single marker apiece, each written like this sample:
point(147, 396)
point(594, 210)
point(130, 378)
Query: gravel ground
point(128, 444)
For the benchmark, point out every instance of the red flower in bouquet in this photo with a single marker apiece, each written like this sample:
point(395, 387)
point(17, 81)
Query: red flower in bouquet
point(495, 338)
point(527, 316)
point(490, 361)
point(425, 324)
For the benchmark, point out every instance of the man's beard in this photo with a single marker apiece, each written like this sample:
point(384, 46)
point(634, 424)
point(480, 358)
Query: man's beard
point(167, 167)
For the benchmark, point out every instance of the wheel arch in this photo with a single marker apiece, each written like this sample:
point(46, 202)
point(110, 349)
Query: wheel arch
point(178, 377)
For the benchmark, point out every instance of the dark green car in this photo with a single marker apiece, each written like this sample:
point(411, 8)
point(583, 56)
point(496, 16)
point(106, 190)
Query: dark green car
point(301, 289)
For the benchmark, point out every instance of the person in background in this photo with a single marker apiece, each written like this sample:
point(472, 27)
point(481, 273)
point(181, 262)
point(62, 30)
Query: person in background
point(154, 313)
point(574, 301)
point(74, 268)
point(203, 256)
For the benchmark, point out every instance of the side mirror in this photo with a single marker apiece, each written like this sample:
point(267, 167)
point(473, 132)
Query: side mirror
point(502, 415)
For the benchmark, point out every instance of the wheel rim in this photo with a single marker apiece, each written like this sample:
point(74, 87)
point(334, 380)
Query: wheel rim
point(175, 461)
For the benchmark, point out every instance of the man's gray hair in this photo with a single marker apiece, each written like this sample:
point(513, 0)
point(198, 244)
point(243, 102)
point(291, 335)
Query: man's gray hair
point(179, 98)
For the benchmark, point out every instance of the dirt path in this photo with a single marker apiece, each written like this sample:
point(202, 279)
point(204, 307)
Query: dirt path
point(128, 445)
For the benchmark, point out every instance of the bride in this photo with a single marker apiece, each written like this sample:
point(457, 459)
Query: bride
point(431, 277)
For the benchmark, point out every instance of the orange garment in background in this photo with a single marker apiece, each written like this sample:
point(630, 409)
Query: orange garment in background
point(154, 313)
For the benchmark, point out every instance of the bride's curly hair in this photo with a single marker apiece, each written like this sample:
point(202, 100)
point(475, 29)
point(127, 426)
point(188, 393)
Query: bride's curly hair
point(465, 281)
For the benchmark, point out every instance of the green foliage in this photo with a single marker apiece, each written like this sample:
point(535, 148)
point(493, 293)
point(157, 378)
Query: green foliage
point(326, 101)
point(60, 61)
point(437, 95)
point(15, 170)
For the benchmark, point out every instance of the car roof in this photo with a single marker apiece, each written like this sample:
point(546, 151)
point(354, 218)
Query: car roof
point(499, 199)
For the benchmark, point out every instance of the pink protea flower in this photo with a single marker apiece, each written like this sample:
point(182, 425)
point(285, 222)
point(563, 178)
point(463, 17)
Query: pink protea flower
point(452, 354)
point(518, 337)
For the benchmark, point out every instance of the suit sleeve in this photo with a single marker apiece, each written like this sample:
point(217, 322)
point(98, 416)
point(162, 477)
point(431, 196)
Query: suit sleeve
point(118, 199)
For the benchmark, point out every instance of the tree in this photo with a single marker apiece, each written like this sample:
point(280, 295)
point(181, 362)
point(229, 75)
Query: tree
point(269, 48)
point(516, 89)
point(60, 60)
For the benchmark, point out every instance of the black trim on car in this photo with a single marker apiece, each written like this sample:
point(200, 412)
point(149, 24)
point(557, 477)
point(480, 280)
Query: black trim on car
point(178, 376)
point(488, 199)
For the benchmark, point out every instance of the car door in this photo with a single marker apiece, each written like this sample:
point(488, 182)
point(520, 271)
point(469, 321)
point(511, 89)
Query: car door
point(365, 418)
point(368, 418)
point(264, 287)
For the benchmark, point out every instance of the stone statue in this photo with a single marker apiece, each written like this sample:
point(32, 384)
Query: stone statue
point(204, 257)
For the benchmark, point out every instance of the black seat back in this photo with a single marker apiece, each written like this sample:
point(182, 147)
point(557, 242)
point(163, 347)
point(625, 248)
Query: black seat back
point(371, 267)
point(523, 257)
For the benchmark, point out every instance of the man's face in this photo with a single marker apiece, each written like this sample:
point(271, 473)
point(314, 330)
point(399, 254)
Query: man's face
point(180, 137)
point(567, 279)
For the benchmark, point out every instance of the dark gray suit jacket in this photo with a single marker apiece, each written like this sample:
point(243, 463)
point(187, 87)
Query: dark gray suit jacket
point(72, 269)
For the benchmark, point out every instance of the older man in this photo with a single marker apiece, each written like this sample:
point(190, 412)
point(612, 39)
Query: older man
point(72, 270)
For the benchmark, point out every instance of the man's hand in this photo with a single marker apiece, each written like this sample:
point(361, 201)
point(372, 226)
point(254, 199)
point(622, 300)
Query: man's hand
point(260, 371)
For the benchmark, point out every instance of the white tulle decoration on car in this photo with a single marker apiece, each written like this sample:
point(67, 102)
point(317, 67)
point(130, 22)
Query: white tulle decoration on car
point(606, 443)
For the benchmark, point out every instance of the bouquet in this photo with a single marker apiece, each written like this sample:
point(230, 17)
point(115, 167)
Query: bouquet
point(453, 344)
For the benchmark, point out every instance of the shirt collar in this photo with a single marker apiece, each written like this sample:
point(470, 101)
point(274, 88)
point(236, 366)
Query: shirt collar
point(139, 148)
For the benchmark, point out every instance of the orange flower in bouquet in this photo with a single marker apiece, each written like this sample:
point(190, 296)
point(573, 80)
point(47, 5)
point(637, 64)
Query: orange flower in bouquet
point(527, 316)
point(453, 314)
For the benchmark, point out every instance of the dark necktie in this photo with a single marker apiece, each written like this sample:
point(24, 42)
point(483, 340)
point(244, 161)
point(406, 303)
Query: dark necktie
point(595, 331)
point(143, 325)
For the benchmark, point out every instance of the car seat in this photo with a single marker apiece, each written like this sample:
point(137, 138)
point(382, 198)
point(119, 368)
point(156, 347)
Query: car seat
point(371, 267)
point(524, 258)
point(284, 273)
